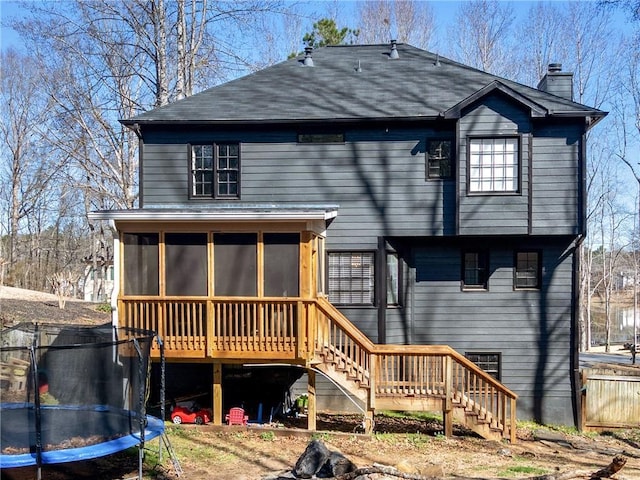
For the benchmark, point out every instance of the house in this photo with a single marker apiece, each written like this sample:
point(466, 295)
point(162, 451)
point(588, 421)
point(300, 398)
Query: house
point(97, 282)
point(380, 217)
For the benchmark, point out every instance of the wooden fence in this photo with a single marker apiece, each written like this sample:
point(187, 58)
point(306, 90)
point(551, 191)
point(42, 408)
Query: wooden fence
point(611, 398)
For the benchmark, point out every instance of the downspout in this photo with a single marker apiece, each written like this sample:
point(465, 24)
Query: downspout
point(576, 379)
point(574, 342)
point(117, 273)
point(381, 290)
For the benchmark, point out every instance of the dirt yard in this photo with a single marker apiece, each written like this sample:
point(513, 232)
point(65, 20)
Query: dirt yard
point(257, 453)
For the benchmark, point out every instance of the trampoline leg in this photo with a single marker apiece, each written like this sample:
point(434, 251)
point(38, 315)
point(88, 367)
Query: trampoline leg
point(140, 459)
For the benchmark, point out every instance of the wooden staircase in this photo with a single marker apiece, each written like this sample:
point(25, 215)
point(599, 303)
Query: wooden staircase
point(412, 378)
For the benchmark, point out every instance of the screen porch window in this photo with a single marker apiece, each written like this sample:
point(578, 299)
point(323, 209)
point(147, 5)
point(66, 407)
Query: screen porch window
point(215, 170)
point(351, 278)
point(141, 263)
point(439, 159)
point(475, 270)
point(493, 165)
point(528, 270)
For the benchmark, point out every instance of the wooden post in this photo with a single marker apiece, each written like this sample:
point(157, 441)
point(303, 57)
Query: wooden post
point(217, 393)
point(371, 396)
point(512, 423)
point(447, 412)
point(312, 407)
point(301, 340)
point(306, 265)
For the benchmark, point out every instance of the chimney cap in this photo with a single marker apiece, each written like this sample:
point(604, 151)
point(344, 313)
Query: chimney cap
point(554, 67)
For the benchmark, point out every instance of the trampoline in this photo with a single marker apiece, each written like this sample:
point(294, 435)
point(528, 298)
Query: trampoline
point(72, 393)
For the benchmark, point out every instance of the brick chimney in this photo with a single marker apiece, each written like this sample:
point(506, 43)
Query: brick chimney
point(557, 82)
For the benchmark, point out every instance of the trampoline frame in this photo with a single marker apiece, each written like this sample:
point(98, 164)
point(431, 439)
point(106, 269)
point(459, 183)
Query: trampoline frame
point(150, 427)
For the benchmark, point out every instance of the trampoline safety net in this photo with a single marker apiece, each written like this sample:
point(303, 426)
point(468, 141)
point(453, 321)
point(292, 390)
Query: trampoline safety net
point(71, 392)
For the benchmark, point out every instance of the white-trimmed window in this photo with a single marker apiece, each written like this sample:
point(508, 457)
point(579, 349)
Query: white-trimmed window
point(351, 278)
point(493, 165)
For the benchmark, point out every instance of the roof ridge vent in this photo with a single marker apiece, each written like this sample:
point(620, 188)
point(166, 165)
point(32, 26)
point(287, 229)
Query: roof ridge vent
point(394, 50)
point(308, 60)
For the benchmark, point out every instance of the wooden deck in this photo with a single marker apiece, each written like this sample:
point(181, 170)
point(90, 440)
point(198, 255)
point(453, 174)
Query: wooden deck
point(313, 333)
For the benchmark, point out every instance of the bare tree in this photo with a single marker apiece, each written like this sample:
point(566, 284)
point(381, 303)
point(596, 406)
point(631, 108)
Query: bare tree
point(481, 36)
point(407, 21)
point(626, 121)
point(541, 30)
point(27, 167)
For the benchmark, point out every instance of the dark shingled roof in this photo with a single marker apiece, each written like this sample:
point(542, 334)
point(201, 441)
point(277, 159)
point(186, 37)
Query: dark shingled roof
point(352, 82)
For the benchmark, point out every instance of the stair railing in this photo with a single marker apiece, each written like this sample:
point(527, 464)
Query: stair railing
point(414, 370)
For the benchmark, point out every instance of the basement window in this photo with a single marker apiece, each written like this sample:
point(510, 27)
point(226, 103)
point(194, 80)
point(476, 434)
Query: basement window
point(487, 361)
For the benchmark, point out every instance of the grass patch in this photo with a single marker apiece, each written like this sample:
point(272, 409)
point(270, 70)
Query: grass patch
point(522, 469)
point(530, 426)
point(268, 436)
point(426, 416)
point(325, 437)
point(104, 307)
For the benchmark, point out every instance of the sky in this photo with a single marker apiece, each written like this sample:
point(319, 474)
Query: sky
point(444, 11)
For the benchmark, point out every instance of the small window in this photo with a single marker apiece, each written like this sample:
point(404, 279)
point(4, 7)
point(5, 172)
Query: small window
point(475, 270)
point(393, 280)
point(215, 170)
point(528, 270)
point(351, 277)
point(493, 165)
point(439, 159)
point(321, 138)
point(489, 362)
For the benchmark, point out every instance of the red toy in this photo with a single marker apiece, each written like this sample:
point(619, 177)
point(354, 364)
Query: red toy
point(195, 414)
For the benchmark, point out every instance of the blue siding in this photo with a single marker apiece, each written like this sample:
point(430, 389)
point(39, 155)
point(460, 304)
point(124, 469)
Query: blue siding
point(486, 214)
point(378, 179)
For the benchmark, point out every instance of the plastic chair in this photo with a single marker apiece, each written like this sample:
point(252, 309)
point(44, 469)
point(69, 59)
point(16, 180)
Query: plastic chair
point(236, 416)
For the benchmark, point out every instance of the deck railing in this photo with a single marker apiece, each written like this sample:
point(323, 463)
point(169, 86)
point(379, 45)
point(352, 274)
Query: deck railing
point(298, 331)
point(223, 327)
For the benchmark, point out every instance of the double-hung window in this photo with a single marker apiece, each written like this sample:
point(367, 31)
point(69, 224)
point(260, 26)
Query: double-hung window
point(528, 270)
point(215, 170)
point(475, 268)
point(493, 165)
point(351, 278)
point(439, 158)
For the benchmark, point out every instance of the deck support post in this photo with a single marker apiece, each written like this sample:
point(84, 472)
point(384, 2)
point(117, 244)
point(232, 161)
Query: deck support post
point(447, 412)
point(217, 393)
point(311, 406)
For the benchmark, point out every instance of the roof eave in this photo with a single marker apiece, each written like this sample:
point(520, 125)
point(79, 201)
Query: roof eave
point(246, 215)
point(281, 121)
